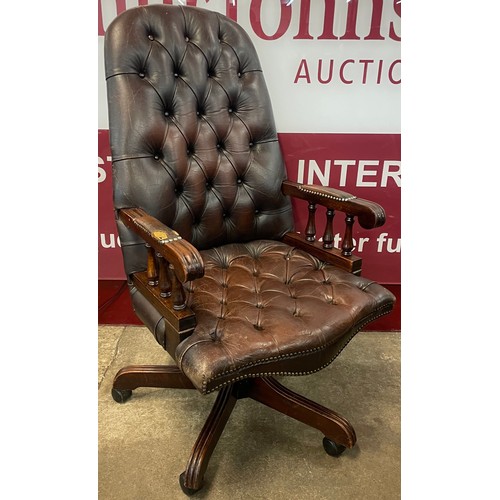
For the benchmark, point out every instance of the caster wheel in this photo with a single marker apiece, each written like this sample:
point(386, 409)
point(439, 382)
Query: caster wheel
point(121, 395)
point(186, 490)
point(332, 448)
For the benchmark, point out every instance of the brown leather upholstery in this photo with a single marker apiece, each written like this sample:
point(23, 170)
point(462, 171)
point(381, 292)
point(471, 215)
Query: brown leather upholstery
point(265, 308)
point(195, 150)
point(201, 153)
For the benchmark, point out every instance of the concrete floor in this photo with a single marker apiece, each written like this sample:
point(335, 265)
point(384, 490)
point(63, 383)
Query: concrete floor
point(144, 444)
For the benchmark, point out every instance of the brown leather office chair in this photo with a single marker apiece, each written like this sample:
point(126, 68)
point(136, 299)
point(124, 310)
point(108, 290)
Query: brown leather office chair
point(204, 214)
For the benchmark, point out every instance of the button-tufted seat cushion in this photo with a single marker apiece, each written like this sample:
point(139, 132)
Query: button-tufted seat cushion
point(267, 308)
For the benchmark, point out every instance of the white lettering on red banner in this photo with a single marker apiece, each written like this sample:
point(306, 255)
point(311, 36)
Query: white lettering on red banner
point(368, 173)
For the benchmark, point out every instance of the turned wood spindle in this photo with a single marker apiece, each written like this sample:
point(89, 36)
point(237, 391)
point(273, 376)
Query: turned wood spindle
point(347, 243)
point(328, 236)
point(164, 280)
point(178, 294)
point(311, 223)
point(152, 272)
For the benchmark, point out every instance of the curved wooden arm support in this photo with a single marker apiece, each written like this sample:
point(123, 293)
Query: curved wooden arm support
point(171, 262)
point(184, 257)
point(369, 213)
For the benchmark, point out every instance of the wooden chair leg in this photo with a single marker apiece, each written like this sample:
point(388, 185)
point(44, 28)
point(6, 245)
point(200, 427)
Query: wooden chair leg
point(134, 376)
point(191, 480)
point(336, 429)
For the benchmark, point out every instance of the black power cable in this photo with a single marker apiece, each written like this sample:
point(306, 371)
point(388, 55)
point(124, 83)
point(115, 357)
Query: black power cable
point(108, 302)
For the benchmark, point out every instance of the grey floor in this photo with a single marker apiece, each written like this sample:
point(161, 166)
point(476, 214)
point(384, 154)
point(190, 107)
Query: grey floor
point(144, 444)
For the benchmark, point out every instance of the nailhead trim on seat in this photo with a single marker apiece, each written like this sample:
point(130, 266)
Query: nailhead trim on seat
point(270, 279)
point(381, 312)
point(277, 289)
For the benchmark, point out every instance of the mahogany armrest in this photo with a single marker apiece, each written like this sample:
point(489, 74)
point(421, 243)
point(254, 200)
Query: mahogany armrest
point(369, 213)
point(184, 257)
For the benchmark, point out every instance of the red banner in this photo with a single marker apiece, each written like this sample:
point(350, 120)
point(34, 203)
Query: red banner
point(110, 261)
point(366, 165)
point(333, 71)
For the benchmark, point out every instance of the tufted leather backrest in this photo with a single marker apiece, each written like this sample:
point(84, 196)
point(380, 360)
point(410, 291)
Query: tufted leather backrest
point(192, 133)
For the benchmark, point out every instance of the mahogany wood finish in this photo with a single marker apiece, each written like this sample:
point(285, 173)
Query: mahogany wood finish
point(311, 223)
point(164, 280)
point(328, 235)
point(347, 242)
point(135, 376)
point(270, 392)
point(191, 480)
point(369, 213)
point(184, 257)
point(151, 266)
point(183, 320)
point(334, 256)
point(178, 294)
point(265, 390)
point(180, 321)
